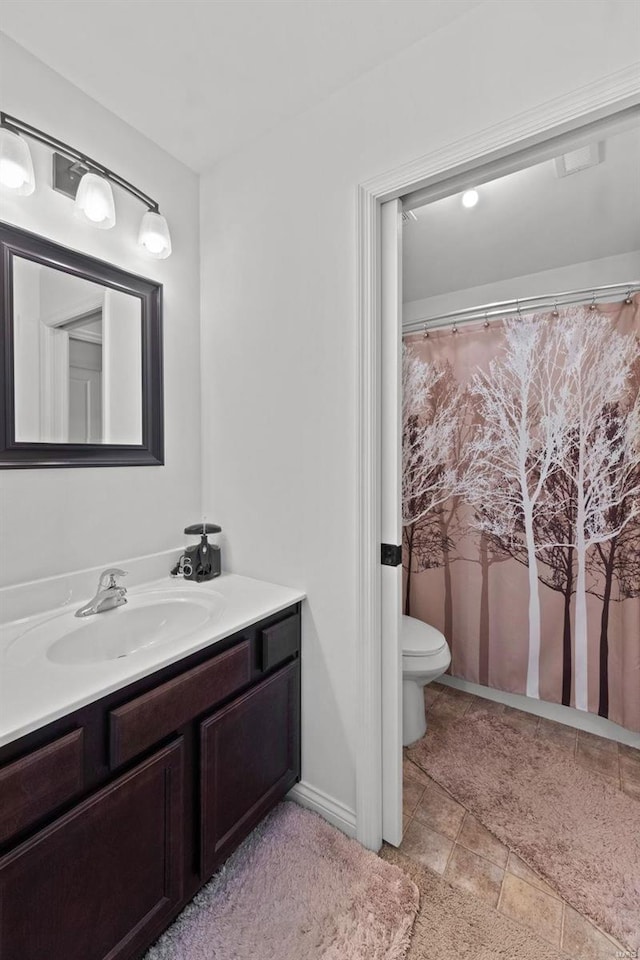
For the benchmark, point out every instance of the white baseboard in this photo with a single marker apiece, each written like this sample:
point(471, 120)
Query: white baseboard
point(332, 810)
point(551, 711)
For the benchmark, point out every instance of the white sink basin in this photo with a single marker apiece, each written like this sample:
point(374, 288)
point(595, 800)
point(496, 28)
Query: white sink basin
point(146, 621)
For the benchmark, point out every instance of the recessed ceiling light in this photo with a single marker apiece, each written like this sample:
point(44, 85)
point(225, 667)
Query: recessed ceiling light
point(470, 198)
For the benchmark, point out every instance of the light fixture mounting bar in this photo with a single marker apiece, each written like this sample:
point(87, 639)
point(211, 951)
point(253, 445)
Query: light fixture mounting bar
point(18, 126)
point(66, 175)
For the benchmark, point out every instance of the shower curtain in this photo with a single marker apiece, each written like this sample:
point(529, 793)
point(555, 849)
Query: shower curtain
point(521, 502)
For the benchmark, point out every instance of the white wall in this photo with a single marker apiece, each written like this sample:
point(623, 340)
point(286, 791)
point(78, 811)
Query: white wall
point(278, 246)
point(63, 297)
point(122, 368)
point(26, 348)
point(576, 276)
point(88, 516)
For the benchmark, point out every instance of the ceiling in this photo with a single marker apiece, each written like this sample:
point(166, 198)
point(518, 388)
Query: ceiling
point(525, 223)
point(202, 78)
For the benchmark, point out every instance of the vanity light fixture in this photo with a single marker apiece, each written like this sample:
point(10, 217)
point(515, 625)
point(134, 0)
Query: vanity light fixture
point(94, 202)
point(470, 198)
point(82, 179)
point(16, 166)
point(154, 235)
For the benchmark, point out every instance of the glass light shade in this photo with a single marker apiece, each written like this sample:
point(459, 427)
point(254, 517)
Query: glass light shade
point(16, 166)
point(94, 202)
point(154, 235)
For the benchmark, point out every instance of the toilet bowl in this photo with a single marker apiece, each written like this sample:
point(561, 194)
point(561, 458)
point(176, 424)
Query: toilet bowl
point(425, 657)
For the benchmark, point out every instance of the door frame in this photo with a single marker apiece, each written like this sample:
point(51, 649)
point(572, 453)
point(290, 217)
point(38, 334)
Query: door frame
point(458, 160)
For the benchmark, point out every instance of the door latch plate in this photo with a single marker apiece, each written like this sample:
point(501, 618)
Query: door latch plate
point(390, 555)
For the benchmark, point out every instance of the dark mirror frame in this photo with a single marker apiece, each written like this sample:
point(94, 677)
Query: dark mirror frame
point(20, 243)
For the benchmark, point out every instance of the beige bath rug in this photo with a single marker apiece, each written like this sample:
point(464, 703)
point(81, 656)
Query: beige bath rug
point(297, 889)
point(453, 925)
point(573, 828)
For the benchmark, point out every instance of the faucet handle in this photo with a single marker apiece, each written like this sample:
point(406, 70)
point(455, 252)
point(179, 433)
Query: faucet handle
point(108, 577)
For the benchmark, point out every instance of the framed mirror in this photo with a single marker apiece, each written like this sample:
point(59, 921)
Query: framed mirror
point(80, 359)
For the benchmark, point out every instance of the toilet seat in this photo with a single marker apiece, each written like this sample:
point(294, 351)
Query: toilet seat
point(420, 639)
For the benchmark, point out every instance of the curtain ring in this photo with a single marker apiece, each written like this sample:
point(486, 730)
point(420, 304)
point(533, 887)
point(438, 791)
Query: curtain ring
point(454, 328)
point(425, 333)
point(628, 299)
point(486, 321)
point(556, 312)
point(518, 309)
point(592, 305)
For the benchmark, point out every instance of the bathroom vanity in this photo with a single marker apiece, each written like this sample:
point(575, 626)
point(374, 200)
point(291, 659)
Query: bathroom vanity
point(113, 815)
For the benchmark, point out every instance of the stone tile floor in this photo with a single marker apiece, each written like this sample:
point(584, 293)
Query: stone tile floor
point(442, 835)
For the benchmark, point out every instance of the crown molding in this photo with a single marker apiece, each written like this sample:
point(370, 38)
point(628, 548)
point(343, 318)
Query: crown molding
point(602, 98)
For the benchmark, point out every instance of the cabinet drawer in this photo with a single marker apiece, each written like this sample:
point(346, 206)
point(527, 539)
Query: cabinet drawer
point(38, 783)
point(144, 721)
point(280, 642)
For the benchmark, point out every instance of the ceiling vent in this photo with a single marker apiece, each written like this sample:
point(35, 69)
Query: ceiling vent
point(408, 215)
point(580, 159)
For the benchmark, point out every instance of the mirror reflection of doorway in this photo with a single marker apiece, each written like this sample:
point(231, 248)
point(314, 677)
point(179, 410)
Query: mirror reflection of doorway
point(85, 392)
point(77, 359)
point(85, 378)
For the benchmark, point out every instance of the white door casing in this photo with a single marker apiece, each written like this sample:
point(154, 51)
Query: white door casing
point(559, 117)
point(54, 385)
point(390, 516)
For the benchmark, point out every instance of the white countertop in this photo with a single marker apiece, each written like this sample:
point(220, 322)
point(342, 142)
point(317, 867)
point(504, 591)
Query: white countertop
point(36, 691)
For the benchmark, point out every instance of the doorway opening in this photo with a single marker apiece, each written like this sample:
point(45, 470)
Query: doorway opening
point(85, 377)
point(478, 161)
point(521, 519)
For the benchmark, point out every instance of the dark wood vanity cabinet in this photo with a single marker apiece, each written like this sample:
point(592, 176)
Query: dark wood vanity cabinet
point(94, 883)
point(248, 756)
point(155, 786)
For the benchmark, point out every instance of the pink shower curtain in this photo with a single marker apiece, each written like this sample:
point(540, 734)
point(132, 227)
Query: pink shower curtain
point(521, 502)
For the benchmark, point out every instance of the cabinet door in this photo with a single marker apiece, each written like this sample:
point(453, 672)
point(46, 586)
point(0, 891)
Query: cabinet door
point(98, 882)
point(250, 757)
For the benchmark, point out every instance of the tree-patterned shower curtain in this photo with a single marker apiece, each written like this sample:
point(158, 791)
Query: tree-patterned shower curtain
point(521, 502)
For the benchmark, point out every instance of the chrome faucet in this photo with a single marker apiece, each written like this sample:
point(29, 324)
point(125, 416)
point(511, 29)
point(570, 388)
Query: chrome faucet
point(108, 595)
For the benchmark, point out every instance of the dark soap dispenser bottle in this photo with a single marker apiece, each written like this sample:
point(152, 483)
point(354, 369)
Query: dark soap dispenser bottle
point(203, 561)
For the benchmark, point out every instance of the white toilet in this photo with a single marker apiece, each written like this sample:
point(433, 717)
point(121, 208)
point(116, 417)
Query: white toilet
point(425, 657)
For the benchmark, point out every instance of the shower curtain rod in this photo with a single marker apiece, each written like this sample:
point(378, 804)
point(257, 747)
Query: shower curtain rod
point(503, 308)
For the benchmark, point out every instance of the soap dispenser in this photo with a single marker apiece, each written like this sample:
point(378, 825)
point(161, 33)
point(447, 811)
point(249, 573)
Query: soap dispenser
point(203, 561)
